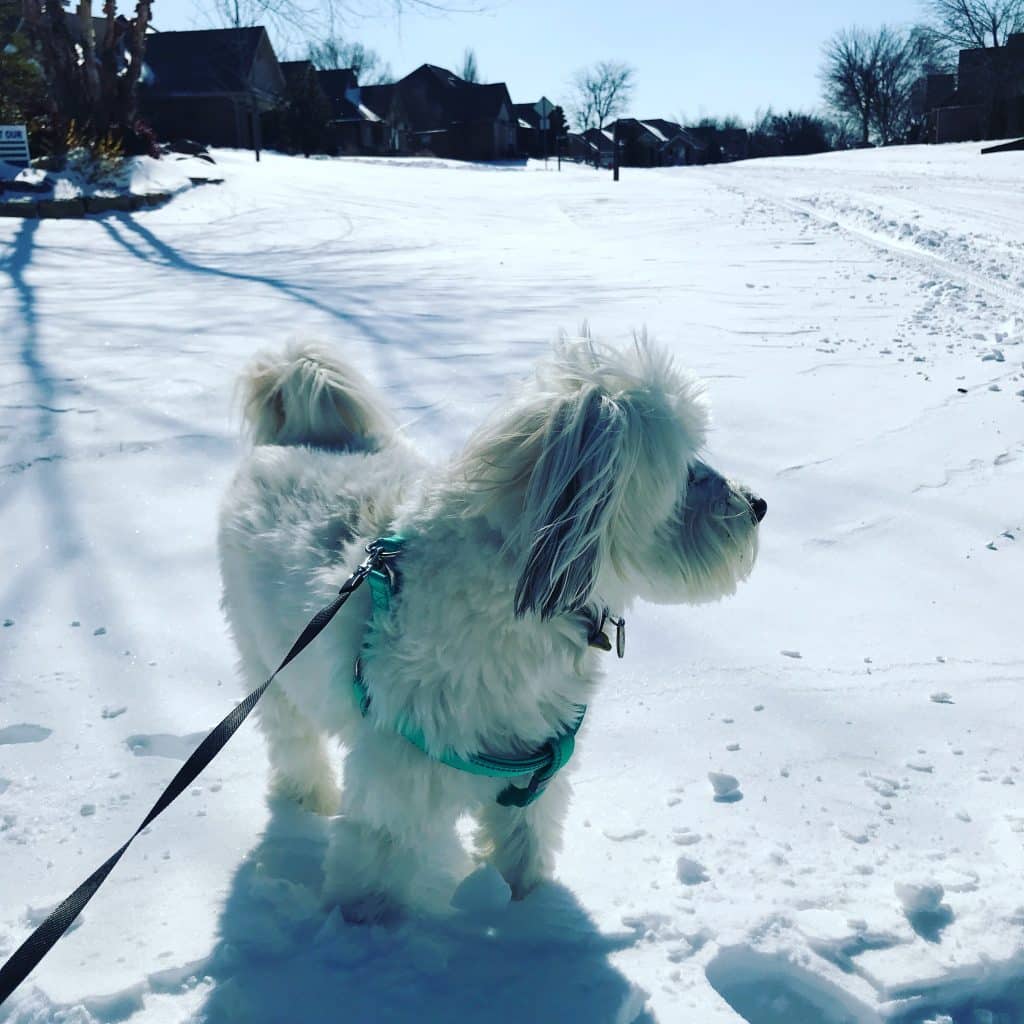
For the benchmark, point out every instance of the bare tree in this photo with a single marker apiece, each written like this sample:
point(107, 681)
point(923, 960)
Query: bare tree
point(601, 92)
point(334, 52)
point(850, 76)
point(470, 71)
point(869, 78)
point(971, 24)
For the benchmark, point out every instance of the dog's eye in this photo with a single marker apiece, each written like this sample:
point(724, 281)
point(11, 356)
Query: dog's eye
point(698, 473)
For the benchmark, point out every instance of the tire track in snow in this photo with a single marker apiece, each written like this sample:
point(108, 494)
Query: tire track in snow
point(918, 259)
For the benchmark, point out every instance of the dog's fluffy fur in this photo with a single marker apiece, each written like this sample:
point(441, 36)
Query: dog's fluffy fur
point(586, 489)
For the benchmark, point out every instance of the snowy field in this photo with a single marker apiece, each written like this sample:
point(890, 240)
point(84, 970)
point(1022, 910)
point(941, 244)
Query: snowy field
point(859, 318)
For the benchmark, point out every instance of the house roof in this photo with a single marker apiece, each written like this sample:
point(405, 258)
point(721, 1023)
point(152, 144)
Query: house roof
point(341, 87)
point(295, 71)
point(525, 112)
point(672, 130)
point(437, 97)
point(378, 98)
point(337, 81)
point(202, 60)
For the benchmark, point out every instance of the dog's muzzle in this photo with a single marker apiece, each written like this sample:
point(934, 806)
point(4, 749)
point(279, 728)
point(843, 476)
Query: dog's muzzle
point(715, 488)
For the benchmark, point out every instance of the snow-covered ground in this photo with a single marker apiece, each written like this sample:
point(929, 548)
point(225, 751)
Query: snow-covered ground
point(860, 320)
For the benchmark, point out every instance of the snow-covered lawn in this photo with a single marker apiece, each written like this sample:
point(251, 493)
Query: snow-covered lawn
point(859, 319)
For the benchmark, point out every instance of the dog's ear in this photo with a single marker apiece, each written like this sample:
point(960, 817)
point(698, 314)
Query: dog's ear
point(573, 491)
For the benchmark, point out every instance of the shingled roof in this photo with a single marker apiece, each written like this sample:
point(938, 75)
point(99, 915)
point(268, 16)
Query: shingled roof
point(452, 99)
point(202, 61)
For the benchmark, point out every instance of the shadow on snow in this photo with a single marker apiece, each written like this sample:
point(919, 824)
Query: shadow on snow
point(282, 957)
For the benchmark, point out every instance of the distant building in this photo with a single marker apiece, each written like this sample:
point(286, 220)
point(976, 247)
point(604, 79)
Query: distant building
point(720, 145)
point(355, 128)
point(450, 117)
point(602, 146)
point(927, 95)
point(531, 139)
point(987, 101)
point(210, 85)
point(386, 103)
point(655, 142)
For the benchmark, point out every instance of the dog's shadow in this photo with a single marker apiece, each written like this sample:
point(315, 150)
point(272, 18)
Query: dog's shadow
point(280, 957)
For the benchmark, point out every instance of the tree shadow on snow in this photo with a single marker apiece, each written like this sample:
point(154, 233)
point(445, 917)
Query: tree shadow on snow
point(282, 957)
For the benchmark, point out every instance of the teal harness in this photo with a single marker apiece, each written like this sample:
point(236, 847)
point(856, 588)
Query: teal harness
point(541, 766)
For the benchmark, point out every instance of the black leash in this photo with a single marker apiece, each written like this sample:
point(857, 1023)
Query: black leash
point(25, 958)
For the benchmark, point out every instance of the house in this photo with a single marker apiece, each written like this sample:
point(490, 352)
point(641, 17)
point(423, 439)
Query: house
point(654, 142)
point(988, 100)
point(355, 128)
point(577, 147)
point(680, 147)
point(531, 139)
point(386, 103)
point(210, 85)
point(602, 144)
point(721, 145)
point(991, 80)
point(927, 95)
point(450, 117)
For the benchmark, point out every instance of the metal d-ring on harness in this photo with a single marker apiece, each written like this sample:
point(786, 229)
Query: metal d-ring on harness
point(543, 764)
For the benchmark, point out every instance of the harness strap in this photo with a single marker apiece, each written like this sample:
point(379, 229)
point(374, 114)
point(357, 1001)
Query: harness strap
point(541, 766)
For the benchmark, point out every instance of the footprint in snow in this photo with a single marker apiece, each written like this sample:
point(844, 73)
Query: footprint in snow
point(624, 836)
point(924, 909)
point(24, 733)
point(690, 872)
point(164, 745)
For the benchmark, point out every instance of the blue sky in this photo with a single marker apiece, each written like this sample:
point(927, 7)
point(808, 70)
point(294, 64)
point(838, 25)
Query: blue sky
point(729, 57)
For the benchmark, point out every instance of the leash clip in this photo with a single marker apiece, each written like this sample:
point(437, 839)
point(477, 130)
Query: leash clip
point(620, 634)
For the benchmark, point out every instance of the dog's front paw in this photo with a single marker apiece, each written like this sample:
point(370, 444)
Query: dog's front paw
point(367, 908)
point(523, 885)
point(321, 797)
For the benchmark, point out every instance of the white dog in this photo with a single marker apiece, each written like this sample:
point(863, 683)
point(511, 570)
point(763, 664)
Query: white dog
point(584, 492)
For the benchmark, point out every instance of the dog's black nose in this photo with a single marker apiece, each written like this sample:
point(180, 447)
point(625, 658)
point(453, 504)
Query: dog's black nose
point(758, 506)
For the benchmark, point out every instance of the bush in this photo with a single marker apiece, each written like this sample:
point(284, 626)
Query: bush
point(96, 161)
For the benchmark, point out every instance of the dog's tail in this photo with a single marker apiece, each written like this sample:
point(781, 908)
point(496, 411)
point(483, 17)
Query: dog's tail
point(306, 395)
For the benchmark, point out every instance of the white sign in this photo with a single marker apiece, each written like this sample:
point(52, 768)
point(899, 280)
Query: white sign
point(14, 144)
point(544, 106)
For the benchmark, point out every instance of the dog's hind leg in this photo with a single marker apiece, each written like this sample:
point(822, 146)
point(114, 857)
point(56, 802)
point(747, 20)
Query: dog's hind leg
point(299, 763)
point(521, 842)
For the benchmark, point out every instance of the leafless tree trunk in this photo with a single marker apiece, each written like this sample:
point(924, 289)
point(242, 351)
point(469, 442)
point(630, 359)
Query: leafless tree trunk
point(94, 87)
point(600, 93)
point(973, 24)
